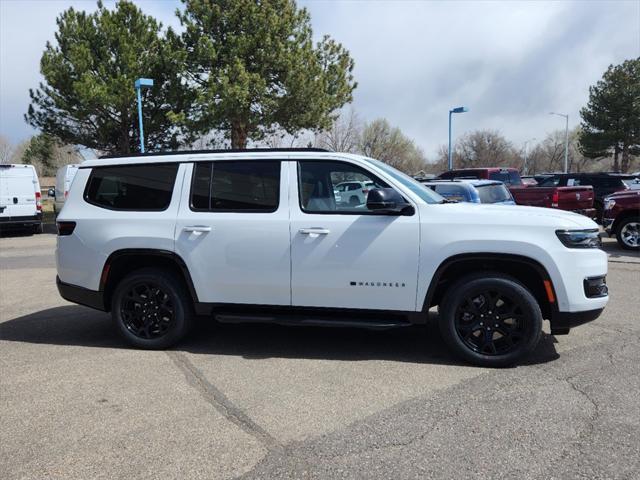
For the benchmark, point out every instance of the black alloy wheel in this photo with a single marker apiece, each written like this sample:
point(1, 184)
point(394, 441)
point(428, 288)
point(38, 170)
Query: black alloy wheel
point(490, 319)
point(147, 311)
point(491, 322)
point(152, 309)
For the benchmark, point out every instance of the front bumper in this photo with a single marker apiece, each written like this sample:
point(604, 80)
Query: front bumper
point(607, 223)
point(80, 295)
point(563, 322)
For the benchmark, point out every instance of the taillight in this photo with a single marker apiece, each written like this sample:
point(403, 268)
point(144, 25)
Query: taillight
point(365, 190)
point(38, 201)
point(65, 194)
point(555, 199)
point(65, 228)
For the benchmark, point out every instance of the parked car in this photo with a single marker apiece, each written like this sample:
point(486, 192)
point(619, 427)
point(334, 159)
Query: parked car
point(64, 177)
point(603, 184)
point(575, 199)
point(508, 176)
point(257, 236)
point(20, 198)
point(621, 218)
point(474, 191)
point(353, 192)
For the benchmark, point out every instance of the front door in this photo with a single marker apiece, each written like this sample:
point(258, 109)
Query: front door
point(343, 255)
point(232, 231)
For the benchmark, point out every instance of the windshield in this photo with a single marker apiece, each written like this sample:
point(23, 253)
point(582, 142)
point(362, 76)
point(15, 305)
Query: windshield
point(425, 193)
point(493, 193)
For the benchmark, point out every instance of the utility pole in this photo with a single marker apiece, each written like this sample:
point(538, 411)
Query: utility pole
point(453, 110)
point(139, 85)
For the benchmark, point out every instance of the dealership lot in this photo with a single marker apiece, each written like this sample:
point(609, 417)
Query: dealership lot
point(272, 402)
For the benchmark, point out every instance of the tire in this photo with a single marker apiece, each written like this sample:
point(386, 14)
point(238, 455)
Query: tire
point(37, 228)
point(354, 201)
point(465, 310)
point(169, 309)
point(628, 233)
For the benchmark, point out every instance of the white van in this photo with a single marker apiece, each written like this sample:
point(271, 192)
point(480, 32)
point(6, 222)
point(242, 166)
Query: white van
point(64, 177)
point(20, 198)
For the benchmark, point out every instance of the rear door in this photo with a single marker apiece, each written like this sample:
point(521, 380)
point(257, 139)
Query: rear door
point(17, 192)
point(232, 231)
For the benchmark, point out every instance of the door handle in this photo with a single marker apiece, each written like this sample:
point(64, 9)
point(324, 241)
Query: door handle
point(314, 231)
point(197, 228)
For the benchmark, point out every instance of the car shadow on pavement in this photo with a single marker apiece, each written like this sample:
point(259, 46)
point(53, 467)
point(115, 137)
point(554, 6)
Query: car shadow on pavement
point(80, 326)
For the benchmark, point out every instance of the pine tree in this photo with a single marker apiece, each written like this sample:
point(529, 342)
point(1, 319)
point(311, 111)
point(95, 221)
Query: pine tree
point(254, 69)
point(611, 119)
point(88, 96)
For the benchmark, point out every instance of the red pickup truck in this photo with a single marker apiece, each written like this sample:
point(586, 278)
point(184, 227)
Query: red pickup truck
point(621, 218)
point(579, 199)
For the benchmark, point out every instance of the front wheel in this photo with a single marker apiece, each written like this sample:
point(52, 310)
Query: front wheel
point(628, 234)
point(151, 309)
point(490, 320)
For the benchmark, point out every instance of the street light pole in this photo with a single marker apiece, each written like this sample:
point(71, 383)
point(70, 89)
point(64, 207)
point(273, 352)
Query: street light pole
point(566, 139)
point(453, 110)
point(139, 85)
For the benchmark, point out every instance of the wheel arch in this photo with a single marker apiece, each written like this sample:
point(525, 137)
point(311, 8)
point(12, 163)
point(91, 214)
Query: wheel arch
point(527, 271)
point(122, 262)
point(630, 213)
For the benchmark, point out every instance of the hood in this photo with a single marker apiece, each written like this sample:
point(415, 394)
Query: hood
point(624, 194)
point(500, 214)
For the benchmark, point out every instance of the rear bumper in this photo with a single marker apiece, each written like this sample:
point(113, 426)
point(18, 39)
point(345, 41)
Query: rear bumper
point(80, 295)
point(20, 222)
point(562, 322)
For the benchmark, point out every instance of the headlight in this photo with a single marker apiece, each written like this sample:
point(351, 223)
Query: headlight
point(609, 203)
point(579, 238)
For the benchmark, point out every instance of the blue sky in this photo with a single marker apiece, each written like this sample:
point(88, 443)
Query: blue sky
point(510, 62)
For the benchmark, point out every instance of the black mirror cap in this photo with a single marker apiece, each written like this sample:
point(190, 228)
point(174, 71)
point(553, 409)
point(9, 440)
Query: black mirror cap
point(388, 201)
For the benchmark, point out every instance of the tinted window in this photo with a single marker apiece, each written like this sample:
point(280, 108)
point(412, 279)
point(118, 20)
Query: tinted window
point(318, 182)
point(550, 182)
point(135, 187)
point(243, 186)
point(453, 192)
point(493, 193)
point(514, 178)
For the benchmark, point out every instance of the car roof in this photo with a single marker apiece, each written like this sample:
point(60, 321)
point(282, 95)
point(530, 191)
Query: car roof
point(462, 181)
point(208, 155)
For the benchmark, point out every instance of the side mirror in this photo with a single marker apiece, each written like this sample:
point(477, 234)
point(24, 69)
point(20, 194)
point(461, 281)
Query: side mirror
point(51, 193)
point(386, 201)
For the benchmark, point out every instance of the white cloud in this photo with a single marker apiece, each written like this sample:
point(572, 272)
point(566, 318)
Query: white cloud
point(509, 62)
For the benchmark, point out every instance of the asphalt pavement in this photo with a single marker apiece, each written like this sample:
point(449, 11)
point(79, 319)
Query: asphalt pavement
point(259, 401)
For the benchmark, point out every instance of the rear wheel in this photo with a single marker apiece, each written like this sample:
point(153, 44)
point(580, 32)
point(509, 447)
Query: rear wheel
point(628, 234)
point(490, 320)
point(152, 309)
point(354, 201)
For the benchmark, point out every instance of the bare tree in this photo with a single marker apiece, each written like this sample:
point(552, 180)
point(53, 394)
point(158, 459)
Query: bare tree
point(382, 141)
point(344, 134)
point(6, 150)
point(484, 148)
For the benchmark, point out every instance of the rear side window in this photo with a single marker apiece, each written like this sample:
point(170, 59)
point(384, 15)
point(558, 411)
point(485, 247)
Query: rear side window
point(132, 187)
point(244, 186)
point(493, 193)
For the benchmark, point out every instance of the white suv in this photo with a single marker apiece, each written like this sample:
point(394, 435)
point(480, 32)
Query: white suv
point(258, 236)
